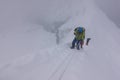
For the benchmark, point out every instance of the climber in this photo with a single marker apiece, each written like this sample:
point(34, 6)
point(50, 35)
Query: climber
point(79, 33)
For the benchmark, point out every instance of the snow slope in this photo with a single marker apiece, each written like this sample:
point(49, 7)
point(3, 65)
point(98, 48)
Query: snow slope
point(98, 61)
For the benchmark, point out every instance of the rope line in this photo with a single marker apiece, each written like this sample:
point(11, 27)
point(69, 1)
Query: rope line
point(61, 64)
point(66, 67)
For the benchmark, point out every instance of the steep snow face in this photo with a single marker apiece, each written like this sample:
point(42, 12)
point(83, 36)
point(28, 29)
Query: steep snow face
point(22, 40)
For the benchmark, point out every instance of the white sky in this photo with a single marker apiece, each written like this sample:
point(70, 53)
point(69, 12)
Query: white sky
point(111, 8)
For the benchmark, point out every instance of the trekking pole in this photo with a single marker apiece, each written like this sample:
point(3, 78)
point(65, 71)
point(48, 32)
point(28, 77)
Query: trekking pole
point(88, 39)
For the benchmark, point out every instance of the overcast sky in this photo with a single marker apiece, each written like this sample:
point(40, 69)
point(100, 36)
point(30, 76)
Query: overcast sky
point(111, 8)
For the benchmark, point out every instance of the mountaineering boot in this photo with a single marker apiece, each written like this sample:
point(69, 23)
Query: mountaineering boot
point(81, 46)
point(77, 47)
point(72, 47)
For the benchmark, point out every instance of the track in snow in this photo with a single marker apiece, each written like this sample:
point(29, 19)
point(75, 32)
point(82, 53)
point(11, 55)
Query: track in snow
point(53, 64)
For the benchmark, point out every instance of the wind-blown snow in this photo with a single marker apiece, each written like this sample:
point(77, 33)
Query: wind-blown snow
point(29, 49)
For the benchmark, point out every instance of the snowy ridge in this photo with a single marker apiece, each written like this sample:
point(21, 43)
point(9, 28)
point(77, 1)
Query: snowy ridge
point(49, 61)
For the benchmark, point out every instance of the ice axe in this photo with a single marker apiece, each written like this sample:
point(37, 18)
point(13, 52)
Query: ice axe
point(88, 39)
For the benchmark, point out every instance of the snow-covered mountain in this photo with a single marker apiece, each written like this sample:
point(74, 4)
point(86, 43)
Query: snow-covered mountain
point(35, 37)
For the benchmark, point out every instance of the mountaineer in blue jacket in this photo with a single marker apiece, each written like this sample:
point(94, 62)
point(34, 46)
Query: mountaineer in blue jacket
point(79, 33)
